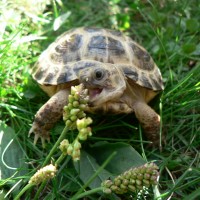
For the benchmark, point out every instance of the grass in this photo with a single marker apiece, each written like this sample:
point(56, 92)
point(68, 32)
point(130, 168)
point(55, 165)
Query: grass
point(169, 30)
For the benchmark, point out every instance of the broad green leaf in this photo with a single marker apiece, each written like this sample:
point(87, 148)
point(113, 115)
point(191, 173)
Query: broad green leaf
point(11, 155)
point(126, 157)
point(95, 156)
point(192, 25)
point(87, 166)
point(3, 194)
point(193, 195)
point(188, 48)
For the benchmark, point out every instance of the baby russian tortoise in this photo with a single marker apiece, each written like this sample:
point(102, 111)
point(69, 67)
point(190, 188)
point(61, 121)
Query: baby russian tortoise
point(120, 75)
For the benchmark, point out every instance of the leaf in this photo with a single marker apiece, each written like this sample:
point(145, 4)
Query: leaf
point(193, 195)
point(29, 94)
point(87, 166)
point(11, 155)
point(188, 48)
point(60, 20)
point(192, 25)
point(3, 194)
point(126, 157)
point(91, 160)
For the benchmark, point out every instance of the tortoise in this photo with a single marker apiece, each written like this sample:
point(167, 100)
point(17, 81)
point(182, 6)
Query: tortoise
point(120, 75)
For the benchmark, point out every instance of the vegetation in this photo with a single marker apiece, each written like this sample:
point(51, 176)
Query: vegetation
point(169, 30)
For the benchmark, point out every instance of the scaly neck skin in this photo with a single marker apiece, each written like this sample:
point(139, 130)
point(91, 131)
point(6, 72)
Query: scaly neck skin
point(136, 93)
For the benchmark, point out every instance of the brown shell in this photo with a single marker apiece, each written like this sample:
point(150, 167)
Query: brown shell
point(82, 47)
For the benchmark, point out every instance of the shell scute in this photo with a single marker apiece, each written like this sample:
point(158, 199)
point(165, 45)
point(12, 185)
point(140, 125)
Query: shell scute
point(49, 78)
point(156, 83)
point(98, 42)
point(145, 60)
point(97, 47)
point(115, 47)
point(39, 75)
point(75, 42)
point(67, 50)
point(130, 72)
point(145, 81)
point(63, 77)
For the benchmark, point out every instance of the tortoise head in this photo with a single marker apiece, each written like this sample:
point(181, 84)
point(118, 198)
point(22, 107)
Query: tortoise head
point(105, 82)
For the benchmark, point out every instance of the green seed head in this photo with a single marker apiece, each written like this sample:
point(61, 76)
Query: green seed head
point(132, 181)
point(81, 114)
point(107, 183)
point(153, 180)
point(64, 145)
point(146, 183)
point(43, 174)
point(123, 187)
point(70, 149)
point(142, 169)
point(76, 96)
point(70, 98)
point(132, 188)
point(75, 104)
point(125, 182)
point(74, 111)
point(83, 131)
point(73, 118)
point(80, 124)
point(139, 176)
point(68, 123)
point(114, 188)
point(69, 106)
point(77, 145)
point(76, 155)
point(117, 182)
point(134, 175)
point(138, 182)
point(82, 137)
point(89, 132)
point(135, 179)
point(107, 191)
point(127, 174)
point(147, 176)
point(82, 106)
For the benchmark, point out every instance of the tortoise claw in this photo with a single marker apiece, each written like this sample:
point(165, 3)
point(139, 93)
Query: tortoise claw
point(39, 133)
point(43, 140)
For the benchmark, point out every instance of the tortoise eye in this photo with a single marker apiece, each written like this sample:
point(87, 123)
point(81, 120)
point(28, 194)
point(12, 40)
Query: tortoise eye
point(99, 74)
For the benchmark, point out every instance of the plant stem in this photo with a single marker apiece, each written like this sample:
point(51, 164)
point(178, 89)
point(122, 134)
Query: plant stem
point(59, 160)
point(93, 191)
point(40, 190)
point(23, 190)
point(62, 136)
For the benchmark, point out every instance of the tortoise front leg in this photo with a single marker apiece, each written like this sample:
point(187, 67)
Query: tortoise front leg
point(149, 120)
point(48, 115)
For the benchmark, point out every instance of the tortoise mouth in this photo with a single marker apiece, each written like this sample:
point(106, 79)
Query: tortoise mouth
point(94, 93)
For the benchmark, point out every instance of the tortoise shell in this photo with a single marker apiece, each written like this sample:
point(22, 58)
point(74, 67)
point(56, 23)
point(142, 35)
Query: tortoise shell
point(85, 47)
